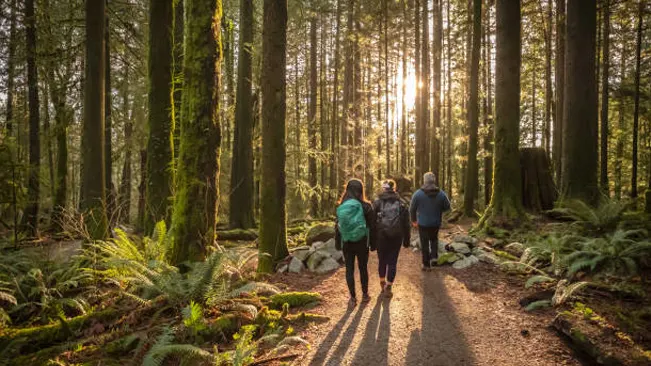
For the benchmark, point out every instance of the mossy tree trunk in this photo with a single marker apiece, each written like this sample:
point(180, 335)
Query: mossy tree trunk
point(195, 205)
point(471, 183)
point(273, 235)
point(506, 202)
point(619, 144)
point(242, 197)
point(124, 193)
point(160, 143)
point(557, 146)
point(603, 176)
point(177, 76)
point(30, 218)
point(93, 193)
point(579, 175)
point(311, 118)
point(636, 108)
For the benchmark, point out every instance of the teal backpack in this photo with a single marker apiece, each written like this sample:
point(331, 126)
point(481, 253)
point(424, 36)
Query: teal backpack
point(351, 221)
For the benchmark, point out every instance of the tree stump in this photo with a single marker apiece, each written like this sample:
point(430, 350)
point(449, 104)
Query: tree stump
point(538, 189)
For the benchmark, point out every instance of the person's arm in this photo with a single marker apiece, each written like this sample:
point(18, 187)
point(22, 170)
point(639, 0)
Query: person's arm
point(413, 207)
point(370, 216)
point(406, 227)
point(337, 236)
point(446, 202)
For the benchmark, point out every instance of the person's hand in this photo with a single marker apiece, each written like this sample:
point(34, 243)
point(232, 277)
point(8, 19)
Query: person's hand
point(414, 224)
point(373, 249)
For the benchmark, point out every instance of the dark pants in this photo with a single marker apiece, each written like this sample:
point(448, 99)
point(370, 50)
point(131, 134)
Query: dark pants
point(429, 243)
point(351, 251)
point(387, 252)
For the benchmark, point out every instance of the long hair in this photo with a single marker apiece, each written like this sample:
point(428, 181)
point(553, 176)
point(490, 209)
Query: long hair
point(354, 189)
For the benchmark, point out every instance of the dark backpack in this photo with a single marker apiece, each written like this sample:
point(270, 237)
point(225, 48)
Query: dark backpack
point(388, 218)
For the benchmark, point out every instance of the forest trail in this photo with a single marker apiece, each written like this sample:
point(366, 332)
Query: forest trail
point(443, 317)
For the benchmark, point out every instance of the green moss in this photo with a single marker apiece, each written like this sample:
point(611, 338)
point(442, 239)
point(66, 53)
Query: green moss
point(308, 318)
point(447, 258)
point(505, 255)
point(294, 299)
point(227, 324)
point(266, 316)
point(40, 336)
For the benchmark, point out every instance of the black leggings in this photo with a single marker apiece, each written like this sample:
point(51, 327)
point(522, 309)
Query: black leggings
point(387, 253)
point(360, 250)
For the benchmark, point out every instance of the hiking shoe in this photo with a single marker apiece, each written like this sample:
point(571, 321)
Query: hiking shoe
point(352, 302)
point(426, 268)
point(382, 286)
point(366, 298)
point(387, 291)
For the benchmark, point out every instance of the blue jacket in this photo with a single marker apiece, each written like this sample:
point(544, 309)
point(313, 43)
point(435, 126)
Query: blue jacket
point(427, 206)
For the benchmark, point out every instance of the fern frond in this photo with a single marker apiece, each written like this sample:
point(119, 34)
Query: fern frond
point(538, 279)
point(261, 288)
point(565, 291)
point(541, 304)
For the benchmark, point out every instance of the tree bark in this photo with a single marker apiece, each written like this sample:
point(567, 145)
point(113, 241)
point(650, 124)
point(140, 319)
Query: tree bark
point(160, 142)
point(580, 105)
point(11, 67)
point(636, 108)
point(419, 135)
point(549, 96)
point(603, 181)
point(124, 193)
point(108, 137)
point(619, 148)
point(435, 151)
point(557, 146)
point(241, 201)
point(93, 197)
point(273, 236)
point(488, 111)
point(425, 95)
point(506, 201)
point(448, 183)
point(195, 205)
point(177, 80)
point(403, 112)
point(311, 120)
point(470, 192)
point(387, 154)
point(335, 119)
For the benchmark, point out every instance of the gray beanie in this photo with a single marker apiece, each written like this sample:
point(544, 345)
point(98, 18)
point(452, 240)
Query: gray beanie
point(429, 178)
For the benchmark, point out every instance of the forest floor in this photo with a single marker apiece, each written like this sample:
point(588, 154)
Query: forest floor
point(443, 317)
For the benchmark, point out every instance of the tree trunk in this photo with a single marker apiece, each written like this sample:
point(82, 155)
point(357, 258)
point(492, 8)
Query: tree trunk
point(419, 135)
point(142, 188)
point(48, 136)
point(448, 183)
point(297, 120)
point(387, 147)
point(619, 148)
point(403, 112)
point(533, 106)
point(159, 144)
point(195, 205)
point(177, 77)
point(604, 99)
point(470, 192)
point(125, 183)
point(580, 105)
point(435, 151)
point(273, 236)
point(549, 97)
point(11, 68)
point(93, 197)
point(311, 120)
point(557, 146)
point(636, 110)
point(335, 121)
point(229, 66)
point(348, 95)
point(538, 189)
point(241, 201)
point(488, 112)
point(506, 201)
point(108, 137)
point(425, 95)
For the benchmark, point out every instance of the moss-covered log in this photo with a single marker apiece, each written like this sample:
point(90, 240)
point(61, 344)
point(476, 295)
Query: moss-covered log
point(38, 337)
point(160, 142)
point(195, 206)
point(273, 235)
point(237, 234)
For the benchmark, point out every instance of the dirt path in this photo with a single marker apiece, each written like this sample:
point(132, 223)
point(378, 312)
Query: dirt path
point(443, 317)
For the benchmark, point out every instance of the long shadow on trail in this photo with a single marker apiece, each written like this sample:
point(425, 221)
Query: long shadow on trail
point(440, 341)
point(374, 346)
point(345, 342)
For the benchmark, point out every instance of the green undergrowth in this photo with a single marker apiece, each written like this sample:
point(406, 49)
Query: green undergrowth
point(294, 299)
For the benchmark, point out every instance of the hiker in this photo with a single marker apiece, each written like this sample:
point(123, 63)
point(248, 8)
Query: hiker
point(426, 210)
point(355, 233)
point(392, 231)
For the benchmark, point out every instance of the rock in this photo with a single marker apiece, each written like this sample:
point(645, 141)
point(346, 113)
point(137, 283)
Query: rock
point(283, 268)
point(296, 265)
point(320, 232)
point(448, 257)
point(327, 265)
point(330, 247)
point(338, 256)
point(465, 262)
point(302, 253)
point(316, 258)
point(467, 239)
point(441, 248)
point(489, 258)
point(460, 247)
point(317, 245)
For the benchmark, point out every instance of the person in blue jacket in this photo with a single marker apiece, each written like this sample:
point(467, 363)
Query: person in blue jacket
point(426, 210)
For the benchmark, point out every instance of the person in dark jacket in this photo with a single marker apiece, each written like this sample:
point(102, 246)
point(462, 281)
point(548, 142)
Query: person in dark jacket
point(427, 207)
point(393, 230)
point(357, 249)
